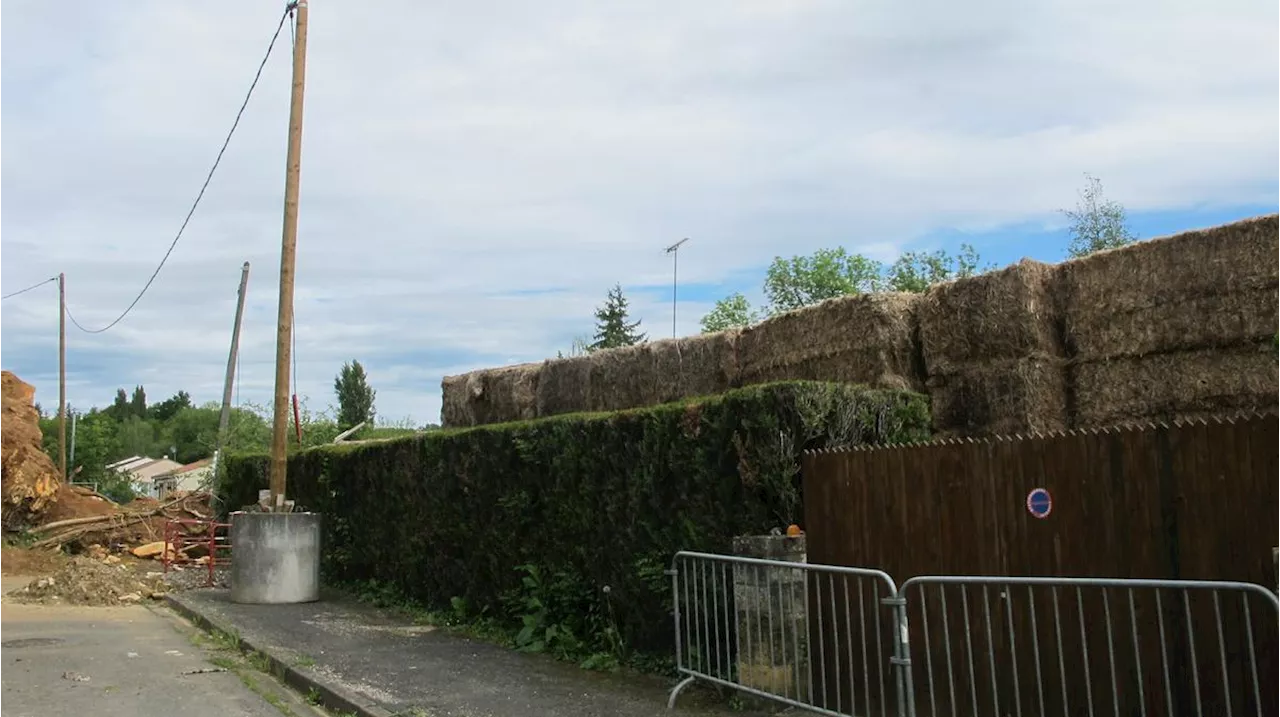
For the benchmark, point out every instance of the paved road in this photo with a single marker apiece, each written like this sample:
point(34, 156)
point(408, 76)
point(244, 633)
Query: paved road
point(109, 662)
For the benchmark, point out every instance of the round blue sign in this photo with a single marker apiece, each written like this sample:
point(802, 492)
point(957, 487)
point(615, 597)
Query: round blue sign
point(1039, 503)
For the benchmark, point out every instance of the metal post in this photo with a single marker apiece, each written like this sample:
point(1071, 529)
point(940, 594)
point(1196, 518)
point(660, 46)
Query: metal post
point(674, 251)
point(224, 418)
point(288, 251)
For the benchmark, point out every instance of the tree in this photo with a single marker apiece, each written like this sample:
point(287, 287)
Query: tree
point(170, 407)
point(138, 437)
point(138, 405)
point(732, 311)
point(612, 328)
point(915, 272)
point(1097, 223)
point(826, 274)
point(355, 396)
point(120, 408)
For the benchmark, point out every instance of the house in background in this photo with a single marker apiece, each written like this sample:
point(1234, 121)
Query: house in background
point(184, 478)
point(143, 470)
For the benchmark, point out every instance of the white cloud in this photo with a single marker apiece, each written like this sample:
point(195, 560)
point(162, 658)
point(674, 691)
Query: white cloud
point(455, 154)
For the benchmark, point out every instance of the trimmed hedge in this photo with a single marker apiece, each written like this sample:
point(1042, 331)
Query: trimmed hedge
point(568, 505)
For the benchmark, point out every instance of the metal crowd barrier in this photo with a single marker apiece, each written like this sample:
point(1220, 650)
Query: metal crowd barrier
point(744, 623)
point(847, 641)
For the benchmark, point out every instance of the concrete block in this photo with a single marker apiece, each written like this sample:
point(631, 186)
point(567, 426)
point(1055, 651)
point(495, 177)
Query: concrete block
point(275, 557)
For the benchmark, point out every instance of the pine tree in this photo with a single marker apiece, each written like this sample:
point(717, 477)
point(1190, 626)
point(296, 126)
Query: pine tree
point(612, 328)
point(355, 396)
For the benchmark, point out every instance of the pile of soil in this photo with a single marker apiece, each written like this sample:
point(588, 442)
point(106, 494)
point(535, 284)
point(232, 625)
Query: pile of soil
point(85, 581)
point(16, 560)
point(29, 481)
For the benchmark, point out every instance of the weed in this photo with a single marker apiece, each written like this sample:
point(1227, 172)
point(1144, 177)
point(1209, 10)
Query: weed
point(304, 661)
point(260, 662)
point(224, 662)
point(313, 696)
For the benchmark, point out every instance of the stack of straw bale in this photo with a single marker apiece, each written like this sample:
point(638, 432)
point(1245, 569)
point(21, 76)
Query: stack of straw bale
point(1179, 327)
point(867, 339)
point(662, 371)
point(491, 396)
point(992, 354)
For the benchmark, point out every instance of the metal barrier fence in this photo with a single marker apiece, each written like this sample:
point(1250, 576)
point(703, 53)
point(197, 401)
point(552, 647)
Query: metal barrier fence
point(1084, 646)
point(747, 623)
point(847, 641)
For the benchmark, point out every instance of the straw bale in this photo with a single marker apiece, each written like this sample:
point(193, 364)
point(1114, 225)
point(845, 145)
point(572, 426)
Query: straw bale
point(663, 371)
point(1005, 314)
point(1198, 289)
point(1001, 398)
point(866, 339)
point(1172, 385)
point(493, 395)
point(564, 386)
point(455, 409)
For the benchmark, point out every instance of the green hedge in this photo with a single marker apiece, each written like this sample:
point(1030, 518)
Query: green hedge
point(540, 516)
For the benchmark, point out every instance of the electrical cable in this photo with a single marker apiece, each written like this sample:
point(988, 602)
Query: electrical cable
point(29, 288)
point(258, 75)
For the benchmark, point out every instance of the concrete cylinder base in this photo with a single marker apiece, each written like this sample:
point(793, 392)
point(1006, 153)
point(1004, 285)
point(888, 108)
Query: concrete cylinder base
point(275, 558)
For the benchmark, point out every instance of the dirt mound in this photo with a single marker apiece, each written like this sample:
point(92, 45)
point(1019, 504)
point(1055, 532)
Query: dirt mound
point(74, 501)
point(28, 478)
point(85, 581)
point(17, 560)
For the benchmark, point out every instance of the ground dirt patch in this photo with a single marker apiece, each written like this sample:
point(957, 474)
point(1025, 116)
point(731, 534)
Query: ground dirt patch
point(17, 560)
point(85, 581)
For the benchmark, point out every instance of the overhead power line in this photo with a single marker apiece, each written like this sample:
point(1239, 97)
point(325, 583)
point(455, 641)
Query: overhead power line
point(29, 288)
point(258, 75)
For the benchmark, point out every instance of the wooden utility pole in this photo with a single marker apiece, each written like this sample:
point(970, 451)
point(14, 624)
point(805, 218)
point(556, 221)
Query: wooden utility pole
point(62, 375)
point(288, 255)
point(224, 418)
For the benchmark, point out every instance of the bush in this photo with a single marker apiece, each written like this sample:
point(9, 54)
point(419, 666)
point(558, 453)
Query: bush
point(562, 527)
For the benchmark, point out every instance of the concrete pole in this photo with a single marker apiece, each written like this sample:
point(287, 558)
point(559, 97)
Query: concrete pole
point(288, 251)
point(224, 418)
point(62, 375)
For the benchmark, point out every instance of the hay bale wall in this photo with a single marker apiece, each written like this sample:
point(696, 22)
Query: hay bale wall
point(1033, 347)
point(993, 354)
point(1003, 397)
point(662, 372)
point(493, 396)
point(1196, 290)
point(1184, 384)
point(867, 339)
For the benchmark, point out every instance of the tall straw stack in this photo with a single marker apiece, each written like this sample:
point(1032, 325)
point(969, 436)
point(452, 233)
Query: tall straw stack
point(992, 352)
point(867, 339)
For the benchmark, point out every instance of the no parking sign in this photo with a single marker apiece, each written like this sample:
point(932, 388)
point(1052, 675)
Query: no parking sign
point(1039, 503)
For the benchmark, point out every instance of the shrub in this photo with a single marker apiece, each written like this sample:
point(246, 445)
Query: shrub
point(564, 525)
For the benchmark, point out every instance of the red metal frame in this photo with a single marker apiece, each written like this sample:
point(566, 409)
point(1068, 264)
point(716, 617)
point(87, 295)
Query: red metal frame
point(213, 535)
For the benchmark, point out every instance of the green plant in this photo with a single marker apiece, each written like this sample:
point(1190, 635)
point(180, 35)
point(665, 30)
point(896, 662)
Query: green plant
point(313, 696)
point(513, 531)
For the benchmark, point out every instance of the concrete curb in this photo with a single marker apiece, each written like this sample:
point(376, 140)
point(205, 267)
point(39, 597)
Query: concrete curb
point(332, 697)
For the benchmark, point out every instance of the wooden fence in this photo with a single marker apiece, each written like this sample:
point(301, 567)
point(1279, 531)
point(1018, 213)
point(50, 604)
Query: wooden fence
point(1183, 501)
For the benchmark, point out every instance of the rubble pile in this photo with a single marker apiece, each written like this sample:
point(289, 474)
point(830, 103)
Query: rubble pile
point(88, 581)
point(29, 483)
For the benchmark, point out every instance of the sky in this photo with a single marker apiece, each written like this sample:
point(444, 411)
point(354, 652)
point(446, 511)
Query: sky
point(476, 176)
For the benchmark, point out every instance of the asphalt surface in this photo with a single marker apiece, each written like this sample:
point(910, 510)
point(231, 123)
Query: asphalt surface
point(391, 666)
point(112, 662)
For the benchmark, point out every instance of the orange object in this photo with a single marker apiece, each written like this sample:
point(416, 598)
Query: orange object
point(794, 531)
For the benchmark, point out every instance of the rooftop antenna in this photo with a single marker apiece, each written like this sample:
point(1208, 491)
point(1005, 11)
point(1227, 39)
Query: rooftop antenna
point(674, 251)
